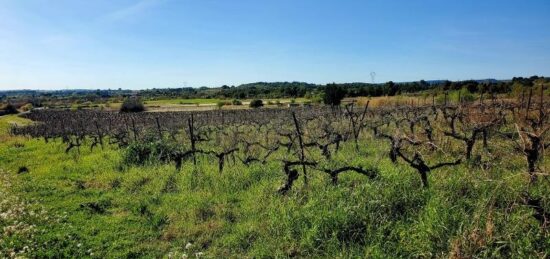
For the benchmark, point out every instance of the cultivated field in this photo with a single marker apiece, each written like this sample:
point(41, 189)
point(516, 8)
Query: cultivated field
point(416, 179)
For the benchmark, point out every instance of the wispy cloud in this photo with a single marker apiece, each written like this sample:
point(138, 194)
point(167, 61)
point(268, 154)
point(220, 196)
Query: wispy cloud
point(132, 11)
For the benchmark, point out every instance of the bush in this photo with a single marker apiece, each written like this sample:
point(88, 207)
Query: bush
point(256, 103)
point(236, 102)
point(334, 94)
point(220, 104)
point(132, 105)
point(8, 109)
point(317, 99)
point(466, 95)
point(27, 107)
point(149, 152)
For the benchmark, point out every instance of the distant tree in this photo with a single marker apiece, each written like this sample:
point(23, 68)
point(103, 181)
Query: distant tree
point(392, 88)
point(424, 84)
point(447, 85)
point(334, 94)
point(472, 86)
point(256, 103)
point(132, 104)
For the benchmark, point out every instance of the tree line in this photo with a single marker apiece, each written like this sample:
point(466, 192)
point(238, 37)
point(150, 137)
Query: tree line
point(273, 90)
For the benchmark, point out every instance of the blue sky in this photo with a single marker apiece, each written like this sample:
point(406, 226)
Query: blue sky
point(135, 44)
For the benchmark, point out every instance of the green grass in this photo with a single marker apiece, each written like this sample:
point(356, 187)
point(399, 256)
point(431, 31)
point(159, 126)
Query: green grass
point(8, 120)
point(98, 207)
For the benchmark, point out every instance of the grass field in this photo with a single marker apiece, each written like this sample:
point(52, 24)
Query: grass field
point(212, 101)
point(201, 104)
point(183, 101)
point(178, 104)
point(90, 204)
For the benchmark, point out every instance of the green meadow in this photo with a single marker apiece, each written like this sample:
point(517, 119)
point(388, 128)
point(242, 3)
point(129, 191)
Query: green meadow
point(90, 204)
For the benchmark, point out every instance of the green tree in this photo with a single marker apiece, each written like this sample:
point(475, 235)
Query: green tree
point(132, 104)
point(334, 94)
point(392, 88)
point(256, 103)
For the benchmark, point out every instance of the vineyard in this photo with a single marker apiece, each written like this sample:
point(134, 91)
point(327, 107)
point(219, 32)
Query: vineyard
point(473, 149)
point(307, 137)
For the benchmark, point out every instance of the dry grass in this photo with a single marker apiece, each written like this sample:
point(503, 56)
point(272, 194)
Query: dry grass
point(383, 101)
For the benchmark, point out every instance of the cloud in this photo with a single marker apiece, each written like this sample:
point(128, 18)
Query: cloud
point(130, 12)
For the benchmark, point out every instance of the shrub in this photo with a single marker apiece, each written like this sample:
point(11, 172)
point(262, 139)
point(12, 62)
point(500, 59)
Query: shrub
point(132, 105)
point(316, 99)
point(149, 152)
point(236, 102)
point(27, 107)
point(334, 94)
point(220, 104)
point(256, 103)
point(269, 103)
point(8, 109)
point(466, 95)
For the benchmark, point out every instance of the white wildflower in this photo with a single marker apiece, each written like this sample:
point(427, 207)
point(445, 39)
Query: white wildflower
point(188, 246)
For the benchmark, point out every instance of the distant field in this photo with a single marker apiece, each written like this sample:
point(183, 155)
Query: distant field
point(182, 101)
point(212, 101)
point(205, 104)
point(179, 104)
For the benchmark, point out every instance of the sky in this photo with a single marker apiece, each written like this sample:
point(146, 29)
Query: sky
point(139, 44)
